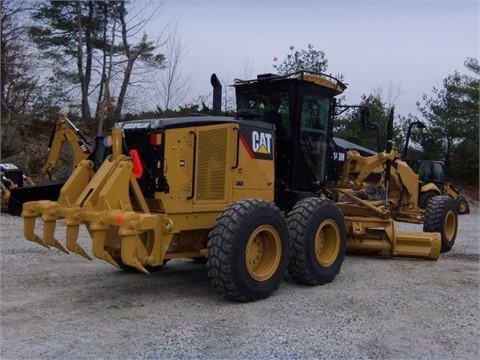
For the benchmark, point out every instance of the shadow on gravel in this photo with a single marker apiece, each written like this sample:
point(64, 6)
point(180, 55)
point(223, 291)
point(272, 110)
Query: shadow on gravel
point(176, 280)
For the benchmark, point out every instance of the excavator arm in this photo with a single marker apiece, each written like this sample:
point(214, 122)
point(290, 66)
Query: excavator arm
point(65, 130)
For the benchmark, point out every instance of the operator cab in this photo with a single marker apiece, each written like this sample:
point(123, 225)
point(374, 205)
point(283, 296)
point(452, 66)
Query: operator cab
point(429, 171)
point(301, 105)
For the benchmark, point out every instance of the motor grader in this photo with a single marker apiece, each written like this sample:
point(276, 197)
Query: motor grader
point(367, 178)
point(241, 193)
point(400, 187)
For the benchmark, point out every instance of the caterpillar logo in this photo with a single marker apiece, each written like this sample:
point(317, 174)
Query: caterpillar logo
point(261, 142)
point(258, 141)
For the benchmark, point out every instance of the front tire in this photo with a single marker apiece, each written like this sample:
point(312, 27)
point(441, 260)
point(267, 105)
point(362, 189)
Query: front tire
point(441, 216)
point(248, 250)
point(319, 239)
point(462, 206)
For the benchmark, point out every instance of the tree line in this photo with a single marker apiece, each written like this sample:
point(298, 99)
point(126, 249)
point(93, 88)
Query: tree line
point(94, 59)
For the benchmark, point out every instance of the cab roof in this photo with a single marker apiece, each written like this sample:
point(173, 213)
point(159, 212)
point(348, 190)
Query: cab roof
point(320, 79)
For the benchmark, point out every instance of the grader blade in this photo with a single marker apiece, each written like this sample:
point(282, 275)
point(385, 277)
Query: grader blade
point(369, 235)
point(418, 244)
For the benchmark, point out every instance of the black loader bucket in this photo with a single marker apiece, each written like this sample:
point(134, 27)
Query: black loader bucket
point(21, 195)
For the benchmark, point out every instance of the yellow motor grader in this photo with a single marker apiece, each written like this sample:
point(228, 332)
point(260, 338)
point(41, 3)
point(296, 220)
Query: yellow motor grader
point(365, 170)
point(399, 185)
point(241, 193)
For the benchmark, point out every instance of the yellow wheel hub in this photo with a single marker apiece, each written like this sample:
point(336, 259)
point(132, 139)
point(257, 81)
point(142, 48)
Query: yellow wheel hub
point(450, 225)
point(263, 253)
point(327, 242)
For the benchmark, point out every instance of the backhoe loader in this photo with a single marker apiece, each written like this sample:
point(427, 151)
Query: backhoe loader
point(432, 178)
point(65, 132)
point(243, 194)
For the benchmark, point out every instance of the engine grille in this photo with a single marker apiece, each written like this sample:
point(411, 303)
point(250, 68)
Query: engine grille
point(211, 164)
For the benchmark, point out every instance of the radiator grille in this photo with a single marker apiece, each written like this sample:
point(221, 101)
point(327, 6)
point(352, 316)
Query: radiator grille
point(210, 177)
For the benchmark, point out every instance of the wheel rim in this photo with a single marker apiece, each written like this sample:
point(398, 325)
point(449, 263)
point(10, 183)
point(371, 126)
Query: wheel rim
point(450, 225)
point(327, 242)
point(263, 253)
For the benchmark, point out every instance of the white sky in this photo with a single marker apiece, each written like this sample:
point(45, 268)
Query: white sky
point(411, 45)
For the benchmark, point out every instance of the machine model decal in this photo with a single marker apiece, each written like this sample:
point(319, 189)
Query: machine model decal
point(339, 156)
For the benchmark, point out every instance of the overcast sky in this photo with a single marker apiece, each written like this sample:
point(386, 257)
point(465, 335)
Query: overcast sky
point(407, 45)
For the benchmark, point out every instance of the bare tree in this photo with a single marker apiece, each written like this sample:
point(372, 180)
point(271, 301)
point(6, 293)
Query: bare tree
point(228, 95)
point(247, 72)
point(104, 102)
point(108, 45)
point(390, 94)
point(19, 75)
point(172, 87)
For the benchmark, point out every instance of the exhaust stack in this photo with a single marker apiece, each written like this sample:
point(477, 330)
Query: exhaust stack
point(217, 95)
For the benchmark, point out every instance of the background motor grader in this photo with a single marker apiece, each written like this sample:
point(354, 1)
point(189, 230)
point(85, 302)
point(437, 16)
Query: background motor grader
point(401, 189)
point(242, 193)
point(365, 176)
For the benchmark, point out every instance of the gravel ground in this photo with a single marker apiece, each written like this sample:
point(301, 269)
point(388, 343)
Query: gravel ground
point(58, 306)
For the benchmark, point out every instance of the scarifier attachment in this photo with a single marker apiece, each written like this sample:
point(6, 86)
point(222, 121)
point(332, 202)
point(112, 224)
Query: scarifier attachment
point(101, 202)
point(73, 228)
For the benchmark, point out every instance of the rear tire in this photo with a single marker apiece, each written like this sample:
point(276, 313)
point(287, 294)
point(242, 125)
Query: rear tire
point(441, 216)
point(248, 250)
point(319, 239)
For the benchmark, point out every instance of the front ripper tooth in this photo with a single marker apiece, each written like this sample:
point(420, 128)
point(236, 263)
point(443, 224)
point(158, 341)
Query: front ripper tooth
point(72, 245)
point(98, 238)
point(130, 246)
point(30, 213)
point(29, 231)
point(48, 235)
